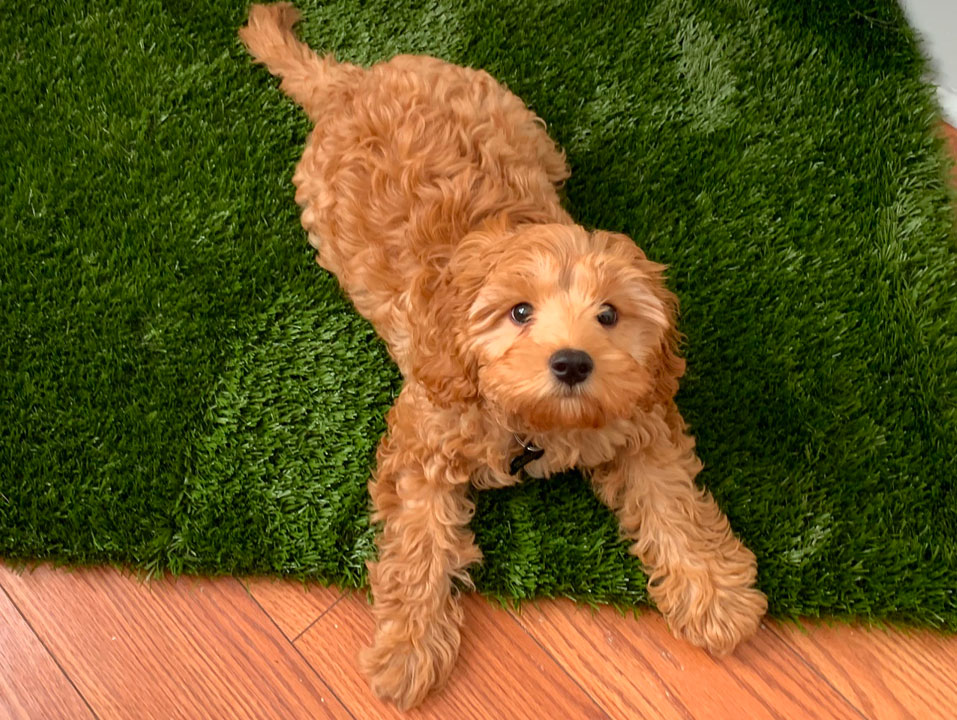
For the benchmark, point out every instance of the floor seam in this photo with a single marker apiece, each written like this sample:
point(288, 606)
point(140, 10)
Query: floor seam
point(53, 657)
point(292, 643)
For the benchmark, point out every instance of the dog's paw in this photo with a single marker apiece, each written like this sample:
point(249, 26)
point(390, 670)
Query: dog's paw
point(405, 671)
point(707, 613)
point(733, 615)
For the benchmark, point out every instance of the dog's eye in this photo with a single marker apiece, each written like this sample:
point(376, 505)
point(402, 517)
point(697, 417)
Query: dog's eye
point(607, 315)
point(521, 313)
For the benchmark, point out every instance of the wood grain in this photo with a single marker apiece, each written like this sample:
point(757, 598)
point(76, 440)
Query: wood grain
point(950, 135)
point(292, 605)
point(887, 674)
point(951, 132)
point(501, 672)
point(168, 649)
point(31, 684)
point(205, 648)
point(634, 667)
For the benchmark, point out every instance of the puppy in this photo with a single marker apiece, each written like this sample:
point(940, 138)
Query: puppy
point(526, 343)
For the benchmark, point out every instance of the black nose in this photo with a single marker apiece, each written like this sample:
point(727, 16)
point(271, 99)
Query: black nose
point(571, 366)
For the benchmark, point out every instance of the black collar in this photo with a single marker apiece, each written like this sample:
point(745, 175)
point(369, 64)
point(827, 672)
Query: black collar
point(529, 453)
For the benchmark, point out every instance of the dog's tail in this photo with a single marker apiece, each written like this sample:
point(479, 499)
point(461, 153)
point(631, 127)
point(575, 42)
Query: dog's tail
point(306, 77)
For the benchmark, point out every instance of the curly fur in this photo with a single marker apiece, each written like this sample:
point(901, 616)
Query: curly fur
point(429, 190)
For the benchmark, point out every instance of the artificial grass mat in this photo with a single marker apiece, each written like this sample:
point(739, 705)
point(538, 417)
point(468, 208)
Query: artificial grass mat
point(182, 388)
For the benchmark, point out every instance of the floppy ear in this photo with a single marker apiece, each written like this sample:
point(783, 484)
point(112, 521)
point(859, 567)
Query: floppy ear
point(439, 305)
point(666, 366)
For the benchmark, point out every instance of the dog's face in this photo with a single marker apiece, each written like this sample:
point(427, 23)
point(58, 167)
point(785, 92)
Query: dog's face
point(563, 328)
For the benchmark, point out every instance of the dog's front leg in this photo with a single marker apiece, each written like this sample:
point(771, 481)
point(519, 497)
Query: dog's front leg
point(701, 576)
point(424, 547)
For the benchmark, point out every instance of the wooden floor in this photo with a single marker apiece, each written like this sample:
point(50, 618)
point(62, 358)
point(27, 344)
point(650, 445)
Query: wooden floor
point(96, 643)
point(950, 134)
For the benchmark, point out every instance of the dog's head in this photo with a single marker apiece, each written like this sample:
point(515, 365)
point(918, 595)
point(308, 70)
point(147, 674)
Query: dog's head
point(555, 326)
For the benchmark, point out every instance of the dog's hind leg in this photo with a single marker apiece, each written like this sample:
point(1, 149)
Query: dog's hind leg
point(551, 157)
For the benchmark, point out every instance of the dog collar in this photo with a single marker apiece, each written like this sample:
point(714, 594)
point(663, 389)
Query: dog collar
point(530, 452)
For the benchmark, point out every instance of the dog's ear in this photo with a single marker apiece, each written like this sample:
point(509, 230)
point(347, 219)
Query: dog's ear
point(440, 302)
point(438, 305)
point(666, 365)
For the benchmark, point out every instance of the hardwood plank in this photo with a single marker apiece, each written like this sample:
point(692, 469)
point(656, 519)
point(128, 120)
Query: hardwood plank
point(292, 605)
point(634, 667)
point(501, 672)
point(31, 684)
point(950, 135)
point(887, 674)
point(168, 649)
point(595, 656)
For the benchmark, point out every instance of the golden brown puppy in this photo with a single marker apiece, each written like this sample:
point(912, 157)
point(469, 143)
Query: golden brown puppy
point(429, 190)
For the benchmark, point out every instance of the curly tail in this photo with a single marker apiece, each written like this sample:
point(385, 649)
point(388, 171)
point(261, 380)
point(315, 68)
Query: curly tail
point(306, 77)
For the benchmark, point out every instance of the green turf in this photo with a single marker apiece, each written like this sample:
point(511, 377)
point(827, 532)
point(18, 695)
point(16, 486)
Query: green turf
point(181, 387)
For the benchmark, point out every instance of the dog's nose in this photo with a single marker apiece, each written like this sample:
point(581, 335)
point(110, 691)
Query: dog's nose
point(571, 366)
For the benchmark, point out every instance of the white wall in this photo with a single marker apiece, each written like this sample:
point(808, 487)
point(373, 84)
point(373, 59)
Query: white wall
point(936, 22)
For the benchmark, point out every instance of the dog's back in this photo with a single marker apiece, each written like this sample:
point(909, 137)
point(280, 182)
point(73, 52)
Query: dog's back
point(405, 159)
